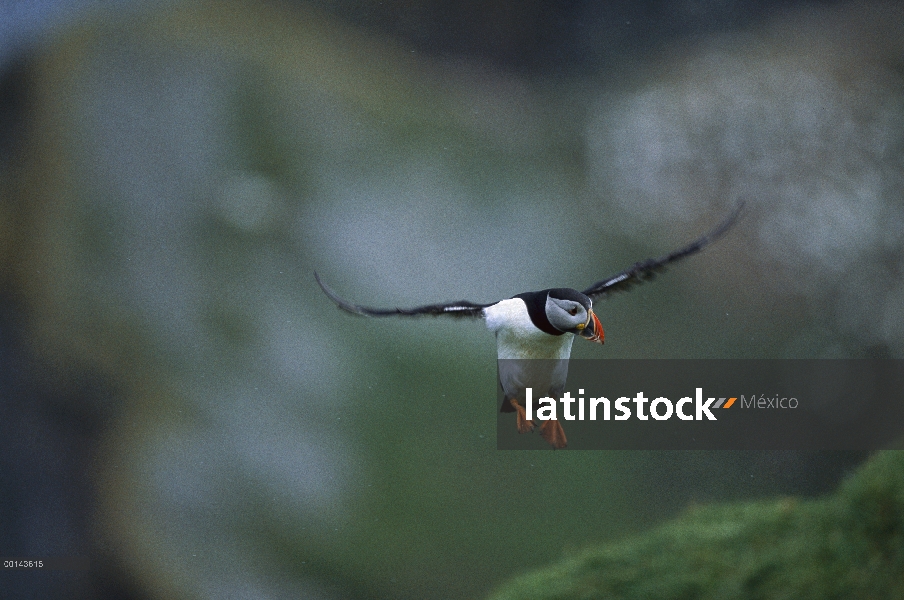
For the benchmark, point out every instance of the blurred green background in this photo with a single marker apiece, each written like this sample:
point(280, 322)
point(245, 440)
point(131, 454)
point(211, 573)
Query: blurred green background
point(182, 403)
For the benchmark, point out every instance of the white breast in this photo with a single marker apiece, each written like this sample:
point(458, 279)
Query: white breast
point(518, 337)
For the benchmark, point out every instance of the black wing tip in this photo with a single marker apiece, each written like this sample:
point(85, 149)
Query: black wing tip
point(645, 270)
point(728, 222)
point(463, 308)
point(340, 302)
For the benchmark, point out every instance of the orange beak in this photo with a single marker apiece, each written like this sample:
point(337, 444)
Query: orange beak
point(593, 331)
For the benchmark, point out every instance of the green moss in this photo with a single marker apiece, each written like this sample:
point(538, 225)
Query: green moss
point(849, 545)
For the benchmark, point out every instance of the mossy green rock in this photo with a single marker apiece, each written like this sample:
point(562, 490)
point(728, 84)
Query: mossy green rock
point(848, 545)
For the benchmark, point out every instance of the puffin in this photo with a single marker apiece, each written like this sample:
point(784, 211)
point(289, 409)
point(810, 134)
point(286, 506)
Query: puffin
point(534, 330)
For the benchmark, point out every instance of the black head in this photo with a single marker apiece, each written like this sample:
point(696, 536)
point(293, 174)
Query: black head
point(563, 310)
point(570, 295)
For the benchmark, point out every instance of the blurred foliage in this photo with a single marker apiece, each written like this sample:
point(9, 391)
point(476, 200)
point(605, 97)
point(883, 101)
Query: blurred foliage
point(848, 545)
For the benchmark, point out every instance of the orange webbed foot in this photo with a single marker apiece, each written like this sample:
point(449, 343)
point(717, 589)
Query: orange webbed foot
point(553, 433)
point(524, 426)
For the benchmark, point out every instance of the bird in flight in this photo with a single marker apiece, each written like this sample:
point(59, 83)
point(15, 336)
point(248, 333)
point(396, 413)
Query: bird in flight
point(534, 330)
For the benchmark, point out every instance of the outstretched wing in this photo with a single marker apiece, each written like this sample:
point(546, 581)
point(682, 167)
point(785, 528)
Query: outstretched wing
point(647, 269)
point(451, 309)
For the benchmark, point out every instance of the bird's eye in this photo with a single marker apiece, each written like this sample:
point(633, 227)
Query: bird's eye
point(573, 312)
